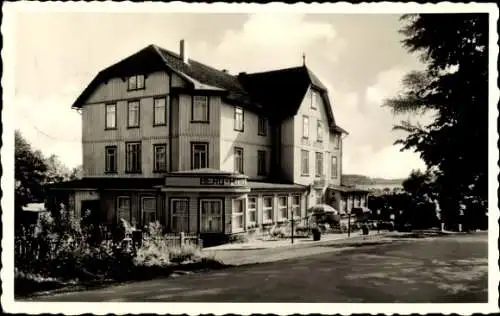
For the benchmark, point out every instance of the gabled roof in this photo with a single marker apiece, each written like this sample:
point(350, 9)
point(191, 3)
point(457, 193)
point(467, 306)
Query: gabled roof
point(278, 93)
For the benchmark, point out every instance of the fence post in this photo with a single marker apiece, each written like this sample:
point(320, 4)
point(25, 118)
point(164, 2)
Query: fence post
point(182, 238)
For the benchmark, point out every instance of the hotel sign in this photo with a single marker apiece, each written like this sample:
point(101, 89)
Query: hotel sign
point(222, 181)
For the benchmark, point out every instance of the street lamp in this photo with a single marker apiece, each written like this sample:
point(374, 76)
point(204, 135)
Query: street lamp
point(292, 224)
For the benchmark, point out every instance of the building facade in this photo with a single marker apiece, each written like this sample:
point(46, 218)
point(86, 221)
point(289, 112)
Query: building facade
point(168, 139)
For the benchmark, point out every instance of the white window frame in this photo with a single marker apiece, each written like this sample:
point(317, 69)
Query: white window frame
point(267, 210)
point(313, 99)
point(196, 156)
point(238, 215)
point(239, 119)
point(145, 211)
point(160, 120)
point(133, 107)
point(238, 157)
point(200, 109)
point(182, 219)
point(282, 209)
point(304, 166)
point(334, 167)
point(305, 126)
point(136, 82)
point(319, 164)
point(110, 110)
point(159, 165)
point(218, 219)
point(336, 141)
point(319, 131)
point(119, 209)
point(252, 210)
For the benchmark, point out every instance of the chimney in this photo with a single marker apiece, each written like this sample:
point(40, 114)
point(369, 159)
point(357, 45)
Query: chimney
point(183, 51)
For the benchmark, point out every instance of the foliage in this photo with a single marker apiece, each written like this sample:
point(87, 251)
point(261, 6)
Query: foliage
point(33, 172)
point(66, 250)
point(454, 89)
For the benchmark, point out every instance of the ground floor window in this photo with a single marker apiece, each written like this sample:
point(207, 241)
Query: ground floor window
point(148, 210)
point(179, 215)
point(252, 210)
point(238, 213)
point(267, 210)
point(211, 216)
point(123, 208)
point(282, 207)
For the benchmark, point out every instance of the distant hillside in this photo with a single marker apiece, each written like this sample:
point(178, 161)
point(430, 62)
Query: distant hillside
point(356, 179)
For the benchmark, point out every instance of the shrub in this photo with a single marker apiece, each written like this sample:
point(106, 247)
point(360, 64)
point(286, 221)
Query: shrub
point(277, 232)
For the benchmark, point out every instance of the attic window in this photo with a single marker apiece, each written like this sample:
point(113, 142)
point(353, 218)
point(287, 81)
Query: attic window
point(136, 82)
point(314, 99)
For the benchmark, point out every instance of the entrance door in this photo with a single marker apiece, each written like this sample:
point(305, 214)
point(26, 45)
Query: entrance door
point(211, 216)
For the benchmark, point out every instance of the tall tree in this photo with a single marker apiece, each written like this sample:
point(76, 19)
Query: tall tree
point(30, 172)
point(454, 89)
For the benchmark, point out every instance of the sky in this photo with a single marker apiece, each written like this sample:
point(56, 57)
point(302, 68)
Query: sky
point(358, 57)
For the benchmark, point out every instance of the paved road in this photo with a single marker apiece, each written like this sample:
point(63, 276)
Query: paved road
point(443, 269)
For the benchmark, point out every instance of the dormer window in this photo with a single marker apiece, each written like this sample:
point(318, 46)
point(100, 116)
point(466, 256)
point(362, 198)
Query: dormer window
point(136, 82)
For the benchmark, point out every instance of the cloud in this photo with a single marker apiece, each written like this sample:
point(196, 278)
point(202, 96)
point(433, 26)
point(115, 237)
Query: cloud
point(276, 40)
point(388, 83)
point(50, 124)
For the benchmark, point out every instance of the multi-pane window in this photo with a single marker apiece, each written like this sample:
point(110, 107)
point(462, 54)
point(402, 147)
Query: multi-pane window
point(252, 210)
point(160, 111)
point(334, 167)
point(238, 159)
point(160, 157)
point(304, 159)
point(123, 208)
point(200, 108)
point(262, 127)
point(295, 206)
point(110, 116)
point(180, 215)
point(267, 209)
point(148, 210)
point(211, 216)
point(319, 164)
point(238, 119)
point(110, 159)
point(133, 114)
point(305, 126)
point(136, 82)
point(133, 157)
point(320, 131)
point(238, 213)
point(199, 155)
point(261, 163)
point(283, 207)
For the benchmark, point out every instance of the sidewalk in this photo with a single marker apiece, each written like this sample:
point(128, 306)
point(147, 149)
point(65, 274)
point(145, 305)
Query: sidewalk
point(269, 251)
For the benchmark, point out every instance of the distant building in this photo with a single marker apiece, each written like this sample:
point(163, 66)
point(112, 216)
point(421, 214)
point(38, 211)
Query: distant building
point(170, 139)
